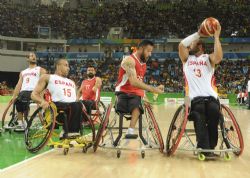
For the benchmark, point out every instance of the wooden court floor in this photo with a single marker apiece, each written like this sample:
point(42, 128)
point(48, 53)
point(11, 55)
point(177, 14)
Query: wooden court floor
point(103, 163)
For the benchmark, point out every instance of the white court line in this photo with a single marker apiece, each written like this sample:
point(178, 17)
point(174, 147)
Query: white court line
point(24, 161)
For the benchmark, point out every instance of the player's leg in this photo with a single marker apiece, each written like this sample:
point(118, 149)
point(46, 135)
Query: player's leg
point(135, 108)
point(198, 112)
point(213, 115)
point(22, 107)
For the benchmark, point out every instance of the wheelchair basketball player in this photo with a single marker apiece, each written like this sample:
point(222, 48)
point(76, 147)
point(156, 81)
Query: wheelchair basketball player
point(199, 69)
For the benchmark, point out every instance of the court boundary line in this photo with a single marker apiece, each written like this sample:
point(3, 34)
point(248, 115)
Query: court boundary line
point(24, 161)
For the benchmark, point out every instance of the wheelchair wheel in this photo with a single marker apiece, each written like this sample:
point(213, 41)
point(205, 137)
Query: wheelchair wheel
point(39, 128)
point(88, 128)
point(102, 128)
point(98, 116)
point(102, 109)
point(153, 127)
point(232, 129)
point(176, 129)
point(13, 115)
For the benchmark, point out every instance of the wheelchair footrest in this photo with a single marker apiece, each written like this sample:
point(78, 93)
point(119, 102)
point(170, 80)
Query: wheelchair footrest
point(131, 136)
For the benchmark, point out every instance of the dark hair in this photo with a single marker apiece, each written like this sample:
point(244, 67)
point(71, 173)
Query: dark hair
point(91, 66)
point(145, 43)
point(58, 61)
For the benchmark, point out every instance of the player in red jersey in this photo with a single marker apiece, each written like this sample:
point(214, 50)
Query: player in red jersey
point(90, 89)
point(130, 86)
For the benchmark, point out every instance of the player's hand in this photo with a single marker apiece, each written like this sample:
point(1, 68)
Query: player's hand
point(217, 31)
point(145, 99)
point(13, 99)
point(159, 89)
point(200, 33)
point(44, 104)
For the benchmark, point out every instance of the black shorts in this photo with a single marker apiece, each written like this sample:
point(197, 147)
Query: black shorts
point(74, 115)
point(205, 112)
point(126, 103)
point(23, 101)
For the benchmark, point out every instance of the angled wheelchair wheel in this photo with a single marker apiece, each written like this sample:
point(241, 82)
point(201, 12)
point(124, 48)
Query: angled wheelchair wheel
point(176, 129)
point(88, 128)
point(39, 128)
point(232, 129)
point(98, 114)
point(102, 109)
point(102, 127)
point(153, 127)
point(9, 115)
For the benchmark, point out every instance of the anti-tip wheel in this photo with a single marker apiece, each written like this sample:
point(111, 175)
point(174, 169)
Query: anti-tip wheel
point(143, 154)
point(65, 151)
point(118, 153)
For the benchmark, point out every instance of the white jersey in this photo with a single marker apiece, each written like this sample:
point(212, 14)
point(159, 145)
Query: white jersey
point(30, 78)
point(61, 89)
point(248, 86)
point(199, 75)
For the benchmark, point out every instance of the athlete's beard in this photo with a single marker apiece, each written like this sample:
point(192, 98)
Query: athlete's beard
point(32, 63)
point(143, 59)
point(91, 75)
point(194, 51)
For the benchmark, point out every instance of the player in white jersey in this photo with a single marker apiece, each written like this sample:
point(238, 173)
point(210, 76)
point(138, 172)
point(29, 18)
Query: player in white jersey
point(63, 94)
point(248, 90)
point(199, 70)
point(28, 79)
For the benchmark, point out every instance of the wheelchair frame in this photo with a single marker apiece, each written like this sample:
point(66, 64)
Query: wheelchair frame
point(147, 126)
point(46, 122)
point(227, 127)
point(13, 115)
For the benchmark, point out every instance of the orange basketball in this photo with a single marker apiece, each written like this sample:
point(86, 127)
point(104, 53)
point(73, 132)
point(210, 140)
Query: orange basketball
point(208, 25)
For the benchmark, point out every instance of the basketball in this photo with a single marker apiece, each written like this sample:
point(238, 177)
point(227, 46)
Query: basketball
point(208, 25)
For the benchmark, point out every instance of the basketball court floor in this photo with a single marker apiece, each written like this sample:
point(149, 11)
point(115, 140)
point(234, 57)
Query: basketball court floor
point(104, 163)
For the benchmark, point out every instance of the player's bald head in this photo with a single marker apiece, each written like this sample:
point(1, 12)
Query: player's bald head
point(59, 62)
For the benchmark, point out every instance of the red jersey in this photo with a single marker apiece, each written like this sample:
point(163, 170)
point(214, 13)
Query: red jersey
point(47, 96)
point(87, 90)
point(123, 84)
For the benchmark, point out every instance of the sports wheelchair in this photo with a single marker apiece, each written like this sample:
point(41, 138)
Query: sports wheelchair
point(181, 135)
point(9, 117)
point(98, 109)
point(43, 129)
point(110, 135)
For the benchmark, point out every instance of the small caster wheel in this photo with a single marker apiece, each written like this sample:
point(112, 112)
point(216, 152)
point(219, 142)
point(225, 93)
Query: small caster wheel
point(65, 151)
point(84, 149)
point(118, 153)
point(201, 157)
point(29, 145)
point(227, 157)
point(89, 145)
point(143, 154)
